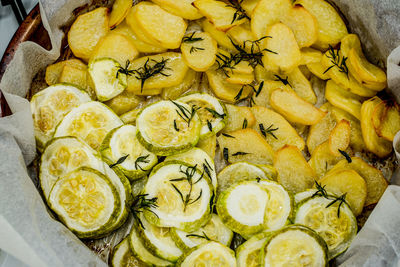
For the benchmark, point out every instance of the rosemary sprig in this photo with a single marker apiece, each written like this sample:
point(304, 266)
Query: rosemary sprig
point(199, 236)
point(125, 70)
point(147, 70)
point(228, 135)
point(186, 114)
point(337, 61)
point(141, 203)
point(348, 158)
point(322, 193)
point(141, 159)
point(209, 125)
point(176, 126)
point(240, 153)
point(282, 80)
point(207, 168)
point(240, 13)
point(254, 57)
point(225, 153)
point(215, 114)
point(341, 200)
point(119, 161)
point(239, 94)
point(244, 125)
point(226, 63)
point(191, 39)
point(260, 87)
point(270, 130)
point(320, 190)
point(195, 49)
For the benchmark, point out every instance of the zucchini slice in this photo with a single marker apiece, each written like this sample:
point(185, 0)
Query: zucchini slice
point(158, 241)
point(248, 254)
point(183, 196)
point(213, 230)
point(212, 112)
point(90, 122)
point(243, 207)
point(295, 245)
point(121, 144)
point(107, 78)
point(304, 195)
point(140, 251)
point(336, 224)
point(197, 157)
point(123, 257)
point(49, 107)
point(86, 201)
point(208, 254)
point(168, 127)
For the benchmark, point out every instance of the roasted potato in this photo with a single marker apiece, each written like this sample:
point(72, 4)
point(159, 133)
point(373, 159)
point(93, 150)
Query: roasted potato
point(119, 11)
point(238, 118)
point(124, 102)
point(262, 98)
point(209, 145)
point(318, 70)
point(339, 138)
point(310, 55)
point(53, 71)
point(183, 9)
point(301, 86)
point(386, 119)
point(130, 116)
point(249, 6)
point(241, 34)
point(219, 36)
point(190, 80)
point(74, 76)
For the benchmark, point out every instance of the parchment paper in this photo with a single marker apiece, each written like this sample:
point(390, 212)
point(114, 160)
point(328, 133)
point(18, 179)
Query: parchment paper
point(27, 229)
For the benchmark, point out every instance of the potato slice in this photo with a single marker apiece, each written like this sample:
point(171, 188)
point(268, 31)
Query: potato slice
point(349, 42)
point(130, 116)
point(303, 24)
point(226, 91)
point(191, 80)
point(347, 182)
point(374, 179)
point(249, 6)
point(222, 15)
point(53, 71)
point(267, 13)
point(119, 11)
point(219, 36)
point(140, 45)
point(86, 31)
point(263, 97)
point(308, 74)
point(318, 70)
point(331, 27)
point(199, 50)
point(171, 71)
point(294, 108)
point(164, 28)
point(375, 144)
point(283, 52)
point(301, 86)
point(386, 119)
point(115, 46)
point(241, 34)
point(240, 78)
point(208, 145)
point(238, 147)
point(261, 74)
point(310, 55)
point(320, 132)
point(183, 8)
point(238, 118)
point(124, 102)
point(343, 99)
point(294, 173)
point(74, 76)
point(339, 138)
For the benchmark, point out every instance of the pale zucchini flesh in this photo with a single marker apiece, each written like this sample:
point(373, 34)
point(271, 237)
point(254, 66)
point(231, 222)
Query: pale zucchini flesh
point(123, 257)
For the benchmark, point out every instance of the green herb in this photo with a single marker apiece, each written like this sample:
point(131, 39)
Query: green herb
point(348, 158)
point(141, 159)
point(141, 203)
point(226, 63)
point(240, 154)
point(119, 161)
point(270, 130)
point(176, 126)
point(337, 60)
point(284, 81)
point(320, 190)
point(186, 114)
point(260, 87)
point(228, 135)
point(191, 39)
point(340, 200)
point(254, 57)
point(207, 168)
point(195, 49)
point(239, 94)
point(225, 152)
point(251, 101)
point(125, 70)
point(322, 193)
point(148, 70)
point(240, 13)
point(215, 113)
point(199, 236)
point(209, 125)
point(258, 179)
point(244, 125)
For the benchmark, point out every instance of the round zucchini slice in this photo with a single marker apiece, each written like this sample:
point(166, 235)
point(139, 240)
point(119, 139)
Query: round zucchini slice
point(213, 230)
point(158, 241)
point(243, 207)
point(211, 111)
point(336, 224)
point(198, 157)
point(183, 196)
point(121, 146)
point(168, 127)
point(49, 107)
point(295, 245)
point(86, 201)
point(90, 122)
point(237, 172)
point(304, 195)
point(208, 254)
point(123, 257)
point(140, 251)
point(248, 254)
point(107, 78)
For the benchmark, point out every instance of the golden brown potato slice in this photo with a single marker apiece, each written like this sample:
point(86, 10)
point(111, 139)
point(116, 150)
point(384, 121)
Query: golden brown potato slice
point(294, 108)
point(301, 86)
point(261, 74)
point(347, 182)
point(374, 179)
point(240, 78)
point(209, 145)
point(191, 80)
point(318, 70)
point(339, 138)
point(162, 27)
point(276, 130)
point(249, 6)
point(130, 116)
point(241, 34)
point(294, 173)
point(219, 36)
point(74, 76)
point(375, 144)
point(237, 147)
point(320, 132)
point(124, 102)
point(53, 71)
point(349, 42)
point(262, 98)
point(343, 99)
point(283, 52)
point(199, 50)
point(238, 118)
point(310, 55)
point(267, 13)
point(86, 31)
point(331, 28)
point(119, 11)
point(183, 8)
point(223, 15)
point(386, 119)
point(303, 24)
point(115, 46)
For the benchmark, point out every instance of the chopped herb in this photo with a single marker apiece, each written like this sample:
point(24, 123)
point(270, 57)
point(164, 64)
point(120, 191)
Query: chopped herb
point(260, 87)
point(244, 125)
point(199, 236)
point(258, 179)
point(251, 102)
point(146, 71)
point(226, 153)
point(125, 70)
point(338, 61)
point(284, 81)
point(240, 13)
point(191, 39)
point(240, 153)
point(141, 159)
point(207, 167)
point(320, 190)
point(186, 114)
point(341, 200)
point(195, 49)
point(209, 125)
point(269, 130)
point(348, 158)
point(228, 135)
point(239, 94)
point(215, 113)
point(226, 63)
point(322, 193)
point(119, 161)
point(176, 126)
point(141, 203)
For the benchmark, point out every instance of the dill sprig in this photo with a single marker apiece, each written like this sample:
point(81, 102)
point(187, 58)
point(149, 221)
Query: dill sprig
point(119, 161)
point(141, 159)
point(147, 70)
point(270, 130)
point(188, 175)
point(282, 80)
point(141, 203)
point(186, 114)
point(240, 13)
point(348, 158)
point(204, 236)
point(191, 39)
point(125, 70)
point(338, 61)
